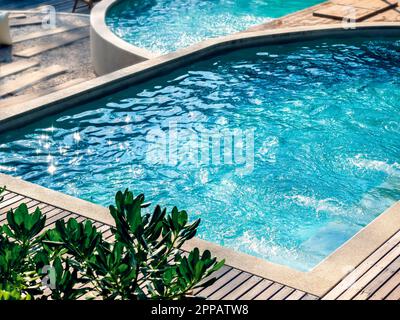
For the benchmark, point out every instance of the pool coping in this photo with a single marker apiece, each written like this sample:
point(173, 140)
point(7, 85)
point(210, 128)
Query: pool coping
point(320, 279)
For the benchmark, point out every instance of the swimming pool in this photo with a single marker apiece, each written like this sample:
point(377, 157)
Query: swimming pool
point(325, 134)
point(163, 26)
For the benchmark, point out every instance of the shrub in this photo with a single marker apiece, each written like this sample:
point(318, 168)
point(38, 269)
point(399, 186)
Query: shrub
point(143, 260)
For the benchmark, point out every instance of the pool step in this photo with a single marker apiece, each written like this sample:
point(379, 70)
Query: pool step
point(57, 43)
point(29, 79)
point(30, 96)
point(15, 67)
point(358, 10)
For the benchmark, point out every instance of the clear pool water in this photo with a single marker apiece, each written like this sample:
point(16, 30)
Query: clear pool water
point(325, 117)
point(163, 26)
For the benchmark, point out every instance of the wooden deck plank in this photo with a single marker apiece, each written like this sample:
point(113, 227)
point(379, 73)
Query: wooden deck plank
point(256, 290)
point(59, 5)
point(269, 292)
point(368, 263)
point(380, 280)
point(387, 287)
point(395, 294)
point(57, 43)
point(6, 195)
point(227, 277)
point(10, 201)
point(229, 287)
point(282, 294)
point(342, 12)
point(296, 295)
point(58, 215)
point(218, 274)
point(243, 288)
point(359, 10)
point(30, 204)
point(46, 33)
point(16, 67)
point(29, 79)
point(368, 276)
point(13, 204)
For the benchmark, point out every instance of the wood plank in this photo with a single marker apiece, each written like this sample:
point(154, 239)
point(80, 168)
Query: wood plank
point(29, 79)
point(6, 195)
point(30, 204)
point(395, 294)
point(353, 276)
point(30, 96)
point(366, 4)
point(57, 43)
point(367, 277)
point(15, 67)
point(282, 294)
point(227, 277)
point(383, 277)
point(5, 204)
point(387, 288)
point(14, 206)
point(57, 216)
point(45, 33)
point(361, 12)
point(218, 274)
point(229, 287)
point(256, 290)
point(296, 295)
point(243, 288)
point(269, 292)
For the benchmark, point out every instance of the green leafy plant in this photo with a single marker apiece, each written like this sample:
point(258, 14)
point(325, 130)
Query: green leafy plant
point(143, 260)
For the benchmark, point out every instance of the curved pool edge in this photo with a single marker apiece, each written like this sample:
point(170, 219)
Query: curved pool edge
point(317, 281)
point(14, 116)
point(109, 52)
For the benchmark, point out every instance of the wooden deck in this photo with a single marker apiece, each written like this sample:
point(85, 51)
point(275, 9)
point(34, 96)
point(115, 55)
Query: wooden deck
point(376, 278)
point(59, 5)
point(378, 11)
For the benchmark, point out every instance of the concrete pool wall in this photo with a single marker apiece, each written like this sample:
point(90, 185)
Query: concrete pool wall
point(317, 281)
point(109, 52)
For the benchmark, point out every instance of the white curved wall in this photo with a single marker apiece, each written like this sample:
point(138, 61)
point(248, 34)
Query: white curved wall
point(109, 52)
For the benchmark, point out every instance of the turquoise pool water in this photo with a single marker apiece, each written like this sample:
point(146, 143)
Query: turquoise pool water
point(163, 26)
point(325, 122)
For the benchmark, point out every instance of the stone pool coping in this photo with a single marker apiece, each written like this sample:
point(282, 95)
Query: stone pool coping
point(317, 281)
